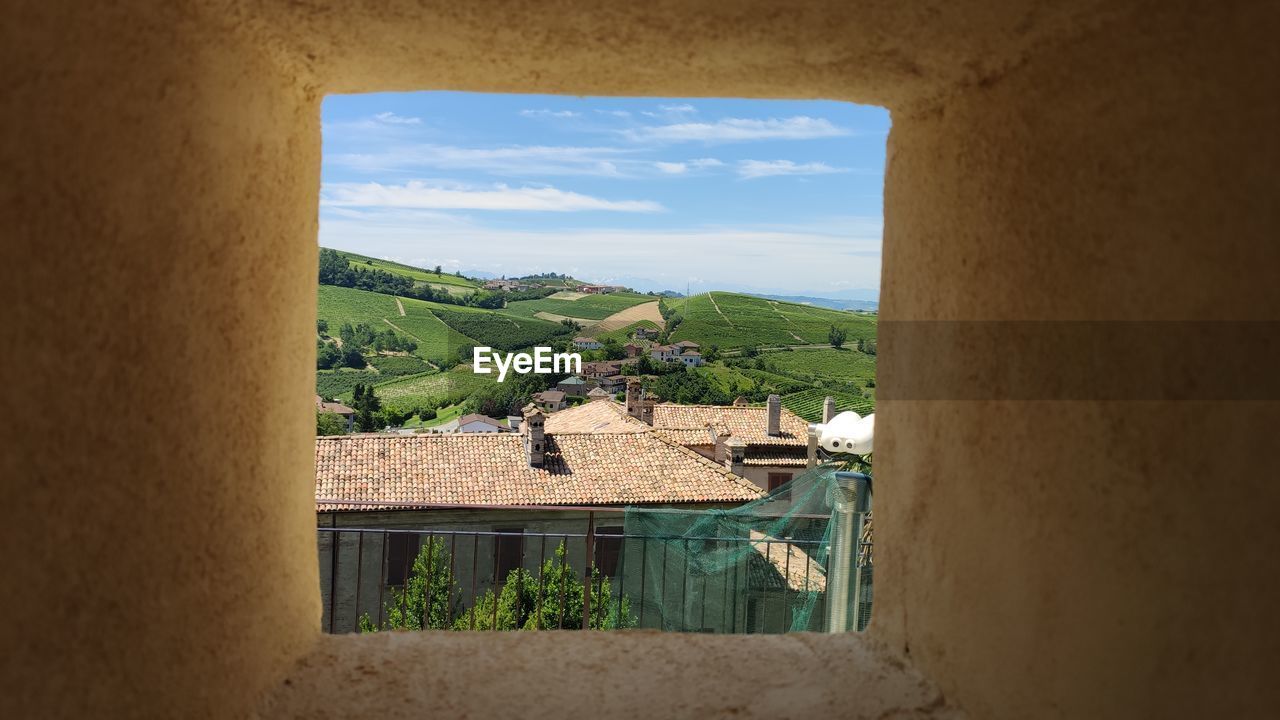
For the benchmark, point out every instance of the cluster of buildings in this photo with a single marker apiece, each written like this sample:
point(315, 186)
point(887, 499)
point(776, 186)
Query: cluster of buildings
point(507, 285)
point(499, 489)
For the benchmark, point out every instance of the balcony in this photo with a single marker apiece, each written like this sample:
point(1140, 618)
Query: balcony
point(586, 568)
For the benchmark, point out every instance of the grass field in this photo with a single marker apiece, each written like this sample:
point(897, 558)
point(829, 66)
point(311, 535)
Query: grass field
point(408, 271)
point(844, 365)
point(590, 307)
point(808, 403)
point(731, 320)
point(435, 339)
point(623, 335)
point(498, 329)
point(418, 391)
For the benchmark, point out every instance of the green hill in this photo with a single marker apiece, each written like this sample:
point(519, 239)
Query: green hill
point(453, 283)
point(731, 320)
point(575, 305)
point(436, 340)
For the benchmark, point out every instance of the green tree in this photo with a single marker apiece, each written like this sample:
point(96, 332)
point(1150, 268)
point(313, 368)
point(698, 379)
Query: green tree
point(428, 598)
point(611, 349)
point(437, 271)
point(328, 423)
point(367, 406)
point(526, 602)
point(836, 336)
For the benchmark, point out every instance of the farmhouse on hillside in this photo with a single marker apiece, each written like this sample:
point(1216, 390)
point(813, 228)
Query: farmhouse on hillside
point(348, 415)
point(550, 400)
point(586, 343)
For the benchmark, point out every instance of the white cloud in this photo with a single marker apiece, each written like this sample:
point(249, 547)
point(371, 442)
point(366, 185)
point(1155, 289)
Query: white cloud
point(393, 119)
point(516, 160)
point(800, 127)
point(421, 195)
point(615, 113)
point(680, 168)
point(798, 259)
point(750, 169)
point(550, 113)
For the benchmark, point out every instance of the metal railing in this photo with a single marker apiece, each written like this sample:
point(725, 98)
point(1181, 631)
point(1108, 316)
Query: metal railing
point(566, 568)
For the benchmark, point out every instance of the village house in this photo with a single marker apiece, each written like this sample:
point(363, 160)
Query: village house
point(347, 414)
point(601, 368)
point(586, 343)
point(599, 289)
point(691, 358)
point(633, 350)
point(766, 445)
point(476, 423)
point(613, 383)
point(573, 386)
point(645, 333)
point(686, 345)
point(665, 353)
point(494, 484)
point(598, 393)
point(550, 400)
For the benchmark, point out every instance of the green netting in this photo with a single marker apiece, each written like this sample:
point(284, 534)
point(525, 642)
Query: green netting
point(760, 567)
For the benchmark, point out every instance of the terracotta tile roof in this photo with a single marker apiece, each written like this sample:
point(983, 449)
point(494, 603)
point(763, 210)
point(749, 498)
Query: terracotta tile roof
point(778, 560)
point(686, 436)
point(599, 416)
point(550, 395)
point(491, 469)
point(746, 423)
point(775, 458)
point(477, 417)
point(599, 393)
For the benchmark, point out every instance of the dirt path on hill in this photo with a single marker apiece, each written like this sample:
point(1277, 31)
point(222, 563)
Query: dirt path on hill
point(786, 317)
point(644, 311)
point(400, 305)
point(712, 297)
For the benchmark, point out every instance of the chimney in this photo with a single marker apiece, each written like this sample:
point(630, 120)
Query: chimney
point(646, 412)
point(535, 442)
point(828, 409)
point(633, 397)
point(737, 454)
point(775, 416)
point(721, 437)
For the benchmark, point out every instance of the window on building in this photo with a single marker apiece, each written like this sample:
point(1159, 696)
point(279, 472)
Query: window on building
point(608, 550)
point(777, 480)
point(402, 550)
point(508, 551)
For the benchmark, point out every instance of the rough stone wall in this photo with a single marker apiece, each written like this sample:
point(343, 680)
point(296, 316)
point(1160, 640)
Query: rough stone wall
point(1082, 160)
point(1098, 552)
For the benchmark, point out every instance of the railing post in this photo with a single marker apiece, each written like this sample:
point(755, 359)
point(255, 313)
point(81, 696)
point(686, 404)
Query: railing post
point(588, 563)
point(850, 500)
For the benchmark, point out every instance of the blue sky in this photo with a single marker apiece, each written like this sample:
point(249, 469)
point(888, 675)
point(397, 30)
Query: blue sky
point(745, 195)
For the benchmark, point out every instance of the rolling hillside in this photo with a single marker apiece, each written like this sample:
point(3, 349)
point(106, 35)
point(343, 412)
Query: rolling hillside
point(577, 305)
point(436, 340)
point(731, 320)
point(453, 283)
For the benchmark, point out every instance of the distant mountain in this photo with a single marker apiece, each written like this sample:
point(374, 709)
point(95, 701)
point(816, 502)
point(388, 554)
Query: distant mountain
point(833, 303)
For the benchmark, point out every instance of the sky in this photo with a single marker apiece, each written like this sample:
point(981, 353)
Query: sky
point(765, 196)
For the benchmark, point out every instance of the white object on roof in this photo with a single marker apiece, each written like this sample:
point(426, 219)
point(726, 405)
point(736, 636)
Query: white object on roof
point(848, 433)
